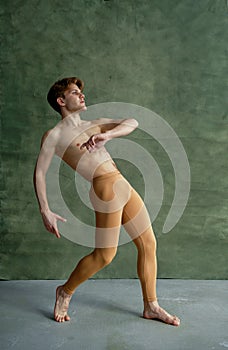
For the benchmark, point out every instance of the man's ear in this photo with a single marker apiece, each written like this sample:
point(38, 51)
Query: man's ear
point(60, 101)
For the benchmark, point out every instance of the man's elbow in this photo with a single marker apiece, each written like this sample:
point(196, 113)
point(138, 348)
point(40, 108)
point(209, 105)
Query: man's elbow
point(132, 123)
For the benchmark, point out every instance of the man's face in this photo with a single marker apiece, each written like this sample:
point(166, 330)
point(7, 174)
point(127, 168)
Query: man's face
point(74, 99)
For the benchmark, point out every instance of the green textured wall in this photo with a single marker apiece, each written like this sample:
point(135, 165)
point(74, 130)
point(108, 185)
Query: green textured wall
point(168, 56)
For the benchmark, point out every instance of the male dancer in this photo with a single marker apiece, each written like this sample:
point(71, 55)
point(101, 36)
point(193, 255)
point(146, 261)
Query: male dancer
point(80, 144)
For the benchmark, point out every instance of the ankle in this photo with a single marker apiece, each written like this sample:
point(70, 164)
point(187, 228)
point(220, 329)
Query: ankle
point(152, 305)
point(64, 292)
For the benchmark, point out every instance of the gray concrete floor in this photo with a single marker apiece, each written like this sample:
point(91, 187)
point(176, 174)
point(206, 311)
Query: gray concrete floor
point(106, 314)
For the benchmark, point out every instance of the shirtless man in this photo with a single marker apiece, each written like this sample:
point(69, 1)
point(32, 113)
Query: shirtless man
point(80, 144)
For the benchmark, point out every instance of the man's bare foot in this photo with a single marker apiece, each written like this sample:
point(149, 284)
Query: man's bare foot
point(153, 311)
point(61, 305)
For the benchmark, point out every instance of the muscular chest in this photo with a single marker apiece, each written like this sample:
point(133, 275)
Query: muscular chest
point(71, 140)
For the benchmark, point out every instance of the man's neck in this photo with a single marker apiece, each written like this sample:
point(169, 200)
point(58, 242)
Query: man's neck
point(73, 119)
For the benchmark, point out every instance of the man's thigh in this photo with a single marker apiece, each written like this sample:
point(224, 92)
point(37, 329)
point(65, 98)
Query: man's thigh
point(135, 217)
point(107, 229)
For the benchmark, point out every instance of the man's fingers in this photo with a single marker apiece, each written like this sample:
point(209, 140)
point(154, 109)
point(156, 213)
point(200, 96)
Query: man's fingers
point(92, 141)
point(89, 144)
point(85, 145)
point(60, 218)
point(57, 234)
point(55, 228)
point(56, 231)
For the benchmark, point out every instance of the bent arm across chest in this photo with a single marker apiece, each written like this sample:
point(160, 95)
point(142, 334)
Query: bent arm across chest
point(119, 128)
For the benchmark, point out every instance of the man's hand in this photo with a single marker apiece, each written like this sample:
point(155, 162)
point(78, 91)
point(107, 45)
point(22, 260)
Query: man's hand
point(95, 141)
point(50, 222)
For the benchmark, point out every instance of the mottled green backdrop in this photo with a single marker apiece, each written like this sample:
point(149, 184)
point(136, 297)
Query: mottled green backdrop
point(168, 56)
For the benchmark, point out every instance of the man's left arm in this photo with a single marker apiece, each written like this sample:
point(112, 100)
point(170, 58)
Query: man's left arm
point(110, 128)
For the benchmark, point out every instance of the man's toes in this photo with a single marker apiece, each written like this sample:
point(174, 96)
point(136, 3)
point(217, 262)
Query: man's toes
point(67, 318)
point(176, 321)
point(57, 318)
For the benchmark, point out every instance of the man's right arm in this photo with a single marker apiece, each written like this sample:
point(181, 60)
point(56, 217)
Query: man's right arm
point(46, 154)
point(43, 162)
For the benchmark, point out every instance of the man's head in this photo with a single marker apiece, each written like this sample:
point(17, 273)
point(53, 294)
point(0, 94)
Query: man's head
point(57, 92)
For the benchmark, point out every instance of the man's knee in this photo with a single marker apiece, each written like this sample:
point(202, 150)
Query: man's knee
point(149, 240)
point(105, 255)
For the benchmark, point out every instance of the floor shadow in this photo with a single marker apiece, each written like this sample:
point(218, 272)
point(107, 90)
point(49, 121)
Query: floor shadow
point(47, 314)
point(103, 304)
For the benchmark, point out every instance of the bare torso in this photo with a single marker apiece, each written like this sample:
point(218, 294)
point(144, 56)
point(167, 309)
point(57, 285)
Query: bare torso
point(68, 138)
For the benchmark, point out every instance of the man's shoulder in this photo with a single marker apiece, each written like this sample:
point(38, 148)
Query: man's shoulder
point(50, 137)
point(45, 135)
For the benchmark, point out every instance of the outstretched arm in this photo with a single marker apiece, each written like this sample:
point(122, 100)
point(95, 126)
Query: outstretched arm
point(43, 162)
point(110, 129)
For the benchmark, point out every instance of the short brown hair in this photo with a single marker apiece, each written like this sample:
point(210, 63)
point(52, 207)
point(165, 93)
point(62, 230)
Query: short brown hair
point(58, 89)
